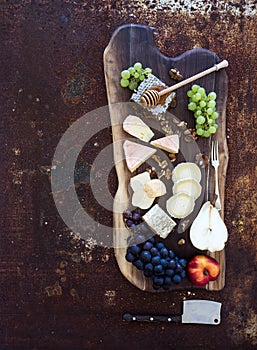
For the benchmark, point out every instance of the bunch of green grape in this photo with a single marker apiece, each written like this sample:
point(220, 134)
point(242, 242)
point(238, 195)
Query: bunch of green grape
point(133, 76)
point(204, 108)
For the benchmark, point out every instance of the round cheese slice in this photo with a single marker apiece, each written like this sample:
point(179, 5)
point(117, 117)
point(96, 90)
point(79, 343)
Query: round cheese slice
point(186, 171)
point(190, 186)
point(180, 205)
point(141, 200)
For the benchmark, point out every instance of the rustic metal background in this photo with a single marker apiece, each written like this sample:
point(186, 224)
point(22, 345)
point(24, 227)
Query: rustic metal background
point(57, 291)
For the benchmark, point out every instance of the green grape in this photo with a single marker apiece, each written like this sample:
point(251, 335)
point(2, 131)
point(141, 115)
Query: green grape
point(198, 96)
point(206, 133)
point(212, 96)
point(202, 103)
point(198, 126)
point(136, 75)
point(209, 111)
point(215, 115)
point(125, 74)
point(211, 104)
point(200, 120)
point(211, 121)
point(199, 131)
point(147, 71)
point(216, 126)
point(131, 70)
point(141, 77)
point(201, 91)
point(191, 106)
point(212, 129)
point(195, 88)
point(138, 66)
point(124, 82)
point(133, 85)
point(190, 93)
point(197, 113)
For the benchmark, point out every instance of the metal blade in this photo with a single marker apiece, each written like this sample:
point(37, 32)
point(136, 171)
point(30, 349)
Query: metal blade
point(201, 311)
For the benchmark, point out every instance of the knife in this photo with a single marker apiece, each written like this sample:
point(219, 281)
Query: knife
point(194, 311)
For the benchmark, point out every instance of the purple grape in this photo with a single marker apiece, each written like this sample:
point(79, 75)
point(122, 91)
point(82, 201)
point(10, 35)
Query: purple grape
point(148, 245)
point(158, 281)
point(154, 251)
point(177, 279)
point(139, 264)
point(156, 260)
point(127, 214)
point(134, 249)
point(164, 263)
point(179, 268)
point(158, 269)
point(171, 264)
point(159, 245)
point(130, 223)
point(136, 216)
point(130, 257)
point(145, 256)
point(149, 267)
point(169, 272)
point(171, 254)
point(183, 262)
point(164, 252)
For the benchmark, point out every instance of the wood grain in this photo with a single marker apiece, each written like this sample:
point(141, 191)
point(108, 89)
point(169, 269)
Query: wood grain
point(132, 43)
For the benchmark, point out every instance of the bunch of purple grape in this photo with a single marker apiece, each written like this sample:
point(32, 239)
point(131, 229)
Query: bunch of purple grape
point(156, 261)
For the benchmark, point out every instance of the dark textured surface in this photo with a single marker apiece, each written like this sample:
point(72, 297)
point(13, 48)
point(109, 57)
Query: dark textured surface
point(58, 292)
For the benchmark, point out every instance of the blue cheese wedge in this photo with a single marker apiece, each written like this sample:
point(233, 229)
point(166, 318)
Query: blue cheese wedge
point(134, 126)
point(159, 222)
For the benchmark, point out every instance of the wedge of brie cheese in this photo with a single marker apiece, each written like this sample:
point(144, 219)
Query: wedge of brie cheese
point(136, 154)
point(168, 143)
point(159, 222)
point(134, 126)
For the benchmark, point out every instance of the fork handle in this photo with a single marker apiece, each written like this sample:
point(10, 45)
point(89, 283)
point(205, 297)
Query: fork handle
point(217, 192)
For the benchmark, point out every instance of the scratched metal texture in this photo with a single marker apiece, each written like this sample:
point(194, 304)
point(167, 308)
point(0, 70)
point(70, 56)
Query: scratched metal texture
point(58, 291)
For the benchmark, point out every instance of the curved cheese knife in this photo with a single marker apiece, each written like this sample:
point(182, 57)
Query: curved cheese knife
point(194, 311)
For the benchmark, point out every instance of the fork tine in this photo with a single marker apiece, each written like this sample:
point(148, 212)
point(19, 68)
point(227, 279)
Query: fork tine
point(217, 150)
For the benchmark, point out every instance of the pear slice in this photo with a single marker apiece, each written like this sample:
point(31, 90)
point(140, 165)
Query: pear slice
point(186, 171)
point(208, 231)
point(134, 126)
point(190, 186)
point(180, 205)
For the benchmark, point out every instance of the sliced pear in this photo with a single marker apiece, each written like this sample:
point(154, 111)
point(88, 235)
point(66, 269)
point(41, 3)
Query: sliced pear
point(208, 231)
point(168, 143)
point(141, 200)
point(186, 171)
point(134, 126)
point(180, 205)
point(155, 188)
point(190, 186)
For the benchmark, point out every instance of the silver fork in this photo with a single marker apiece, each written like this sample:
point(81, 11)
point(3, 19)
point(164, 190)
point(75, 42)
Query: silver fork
point(215, 163)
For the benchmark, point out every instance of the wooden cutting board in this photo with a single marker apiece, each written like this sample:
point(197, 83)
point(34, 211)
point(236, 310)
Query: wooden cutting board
point(135, 43)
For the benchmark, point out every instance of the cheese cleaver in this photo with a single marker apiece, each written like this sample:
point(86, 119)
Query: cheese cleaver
point(194, 311)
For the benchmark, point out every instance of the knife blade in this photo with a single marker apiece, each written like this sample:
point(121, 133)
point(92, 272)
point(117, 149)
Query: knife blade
point(194, 311)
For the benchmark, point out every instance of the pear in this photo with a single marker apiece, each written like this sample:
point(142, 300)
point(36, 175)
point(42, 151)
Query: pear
point(208, 231)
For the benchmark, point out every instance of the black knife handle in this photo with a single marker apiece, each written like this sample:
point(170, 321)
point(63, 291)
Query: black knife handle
point(148, 318)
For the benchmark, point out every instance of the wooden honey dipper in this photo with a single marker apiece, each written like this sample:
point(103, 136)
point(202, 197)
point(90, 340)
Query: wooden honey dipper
point(151, 97)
